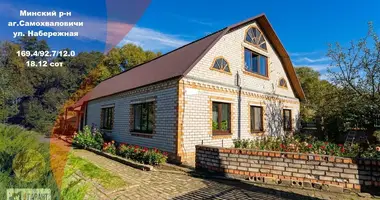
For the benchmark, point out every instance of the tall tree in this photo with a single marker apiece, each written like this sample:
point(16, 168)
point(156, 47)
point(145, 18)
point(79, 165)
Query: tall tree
point(356, 69)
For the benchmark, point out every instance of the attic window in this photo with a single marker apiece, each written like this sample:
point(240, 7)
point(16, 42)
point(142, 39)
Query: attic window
point(282, 83)
point(221, 64)
point(256, 38)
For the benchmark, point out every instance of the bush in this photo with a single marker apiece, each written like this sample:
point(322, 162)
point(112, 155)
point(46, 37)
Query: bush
point(88, 138)
point(371, 152)
point(143, 155)
point(376, 134)
point(15, 140)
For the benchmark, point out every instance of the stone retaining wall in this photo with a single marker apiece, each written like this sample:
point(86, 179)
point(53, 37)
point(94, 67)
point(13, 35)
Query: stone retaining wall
point(305, 170)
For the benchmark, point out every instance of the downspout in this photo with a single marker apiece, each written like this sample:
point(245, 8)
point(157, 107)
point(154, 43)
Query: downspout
point(183, 116)
point(239, 103)
point(85, 113)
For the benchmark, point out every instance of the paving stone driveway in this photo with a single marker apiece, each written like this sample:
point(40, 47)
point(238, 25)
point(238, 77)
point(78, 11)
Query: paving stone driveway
point(181, 186)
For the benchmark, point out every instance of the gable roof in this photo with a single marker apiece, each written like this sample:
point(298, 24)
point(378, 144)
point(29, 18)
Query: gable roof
point(179, 62)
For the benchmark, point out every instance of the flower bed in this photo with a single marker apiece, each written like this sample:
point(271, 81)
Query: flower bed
point(92, 139)
point(144, 155)
point(308, 145)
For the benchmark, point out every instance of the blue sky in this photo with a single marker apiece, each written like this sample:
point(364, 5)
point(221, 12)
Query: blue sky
point(304, 27)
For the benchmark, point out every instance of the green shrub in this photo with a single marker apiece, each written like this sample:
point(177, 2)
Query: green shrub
point(376, 134)
point(88, 138)
point(15, 140)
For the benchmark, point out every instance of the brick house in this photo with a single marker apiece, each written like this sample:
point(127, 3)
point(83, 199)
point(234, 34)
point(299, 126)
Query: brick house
point(238, 82)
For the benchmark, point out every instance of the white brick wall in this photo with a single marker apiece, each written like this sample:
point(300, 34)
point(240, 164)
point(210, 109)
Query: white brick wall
point(231, 46)
point(165, 130)
point(197, 114)
point(196, 126)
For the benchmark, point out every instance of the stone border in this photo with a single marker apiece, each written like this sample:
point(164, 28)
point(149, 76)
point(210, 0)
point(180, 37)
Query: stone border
point(119, 159)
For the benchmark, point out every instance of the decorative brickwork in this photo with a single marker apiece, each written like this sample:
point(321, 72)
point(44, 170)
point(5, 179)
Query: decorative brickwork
point(318, 171)
point(214, 88)
point(132, 116)
point(178, 137)
point(261, 104)
point(233, 118)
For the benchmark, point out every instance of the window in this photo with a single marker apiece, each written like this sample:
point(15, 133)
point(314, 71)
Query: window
point(143, 117)
point(107, 118)
point(221, 64)
point(256, 38)
point(221, 118)
point(282, 83)
point(256, 119)
point(255, 63)
point(287, 118)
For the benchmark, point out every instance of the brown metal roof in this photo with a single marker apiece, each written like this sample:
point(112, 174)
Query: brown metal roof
point(180, 61)
point(170, 65)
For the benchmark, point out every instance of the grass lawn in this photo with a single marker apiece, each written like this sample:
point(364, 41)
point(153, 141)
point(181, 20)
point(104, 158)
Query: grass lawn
point(75, 187)
point(91, 171)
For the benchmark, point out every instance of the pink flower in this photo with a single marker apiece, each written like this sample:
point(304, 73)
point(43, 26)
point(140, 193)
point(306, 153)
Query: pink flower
point(341, 145)
point(310, 146)
point(323, 147)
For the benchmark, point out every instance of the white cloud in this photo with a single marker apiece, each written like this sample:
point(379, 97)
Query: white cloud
point(152, 39)
point(295, 54)
point(96, 29)
point(200, 22)
point(316, 67)
point(192, 20)
point(311, 60)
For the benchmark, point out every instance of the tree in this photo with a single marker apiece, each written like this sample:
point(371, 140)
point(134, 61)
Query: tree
point(323, 103)
point(356, 70)
point(317, 92)
point(129, 55)
point(13, 82)
point(35, 96)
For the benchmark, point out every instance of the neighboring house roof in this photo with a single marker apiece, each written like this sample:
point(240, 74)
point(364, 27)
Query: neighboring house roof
point(179, 62)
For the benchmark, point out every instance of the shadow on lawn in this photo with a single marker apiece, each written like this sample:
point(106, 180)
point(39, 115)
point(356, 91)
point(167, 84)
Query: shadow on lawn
point(235, 189)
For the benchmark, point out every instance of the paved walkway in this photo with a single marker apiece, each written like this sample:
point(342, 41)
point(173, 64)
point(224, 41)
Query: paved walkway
point(181, 186)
